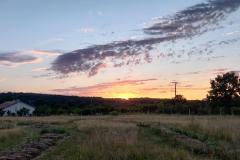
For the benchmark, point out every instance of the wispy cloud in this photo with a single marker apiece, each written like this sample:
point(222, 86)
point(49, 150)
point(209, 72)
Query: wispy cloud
point(216, 71)
point(189, 73)
point(40, 69)
point(186, 24)
point(87, 30)
point(100, 88)
point(44, 52)
point(232, 33)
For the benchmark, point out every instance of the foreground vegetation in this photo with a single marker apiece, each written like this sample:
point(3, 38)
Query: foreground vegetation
point(223, 98)
point(129, 137)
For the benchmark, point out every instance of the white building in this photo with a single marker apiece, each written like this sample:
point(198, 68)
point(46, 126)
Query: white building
point(14, 106)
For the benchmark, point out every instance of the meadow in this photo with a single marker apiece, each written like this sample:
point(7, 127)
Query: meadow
point(128, 137)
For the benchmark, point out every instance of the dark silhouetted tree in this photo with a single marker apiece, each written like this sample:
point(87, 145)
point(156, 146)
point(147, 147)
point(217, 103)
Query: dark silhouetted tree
point(225, 91)
point(180, 99)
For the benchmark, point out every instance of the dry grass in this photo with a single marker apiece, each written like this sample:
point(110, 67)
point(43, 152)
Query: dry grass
point(11, 137)
point(120, 138)
point(46, 119)
point(106, 140)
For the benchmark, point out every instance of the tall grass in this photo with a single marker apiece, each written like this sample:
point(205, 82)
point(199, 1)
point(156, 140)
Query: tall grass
point(119, 137)
point(10, 137)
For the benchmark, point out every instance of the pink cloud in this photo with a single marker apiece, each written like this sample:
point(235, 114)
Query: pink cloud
point(101, 87)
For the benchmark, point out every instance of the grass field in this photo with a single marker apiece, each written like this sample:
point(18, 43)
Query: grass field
point(130, 137)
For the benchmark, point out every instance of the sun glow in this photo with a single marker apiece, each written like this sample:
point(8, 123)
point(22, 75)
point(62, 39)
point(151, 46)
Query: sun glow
point(125, 96)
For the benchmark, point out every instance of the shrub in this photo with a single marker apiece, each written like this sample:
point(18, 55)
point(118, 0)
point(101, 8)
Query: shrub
point(59, 130)
point(114, 113)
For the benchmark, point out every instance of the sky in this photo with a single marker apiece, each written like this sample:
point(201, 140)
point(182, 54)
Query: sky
point(117, 49)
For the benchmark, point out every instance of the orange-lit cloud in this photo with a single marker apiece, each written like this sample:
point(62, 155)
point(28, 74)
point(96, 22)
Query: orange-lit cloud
point(42, 52)
point(104, 89)
point(134, 88)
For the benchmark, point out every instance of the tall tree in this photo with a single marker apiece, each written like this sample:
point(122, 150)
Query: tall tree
point(225, 90)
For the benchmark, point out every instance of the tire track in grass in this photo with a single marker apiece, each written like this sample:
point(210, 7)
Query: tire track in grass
point(196, 143)
point(36, 147)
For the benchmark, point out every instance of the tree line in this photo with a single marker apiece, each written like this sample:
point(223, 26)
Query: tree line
point(223, 98)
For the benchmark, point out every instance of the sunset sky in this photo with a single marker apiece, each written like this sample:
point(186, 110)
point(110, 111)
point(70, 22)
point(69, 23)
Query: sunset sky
point(117, 48)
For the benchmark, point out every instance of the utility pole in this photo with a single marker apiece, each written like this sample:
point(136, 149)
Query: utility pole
point(175, 87)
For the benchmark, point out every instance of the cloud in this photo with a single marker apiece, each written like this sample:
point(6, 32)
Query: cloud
point(96, 69)
point(45, 52)
point(100, 88)
point(100, 13)
point(212, 58)
point(186, 24)
point(211, 71)
point(232, 33)
point(87, 30)
point(165, 89)
point(41, 69)
point(219, 71)
point(189, 73)
point(12, 59)
point(194, 20)
point(123, 52)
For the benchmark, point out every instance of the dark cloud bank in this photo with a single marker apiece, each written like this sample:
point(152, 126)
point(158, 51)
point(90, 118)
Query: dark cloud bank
point(188, 23)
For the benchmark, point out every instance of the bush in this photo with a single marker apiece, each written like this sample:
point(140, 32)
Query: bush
point(59, 130)
point(44, 130)
point(114, 113)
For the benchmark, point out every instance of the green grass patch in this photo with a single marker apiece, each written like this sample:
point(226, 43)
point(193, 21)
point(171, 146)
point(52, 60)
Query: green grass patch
point(11, 138)
point(25, 123)
point(57, 130)
point(101, 143)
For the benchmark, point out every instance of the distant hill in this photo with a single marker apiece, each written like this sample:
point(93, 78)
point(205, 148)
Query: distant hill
point(49, 99)
point(47, 104)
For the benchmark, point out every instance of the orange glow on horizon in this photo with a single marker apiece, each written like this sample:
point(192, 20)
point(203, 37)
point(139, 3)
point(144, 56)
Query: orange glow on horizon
point(125, 96)
point(190, 95)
